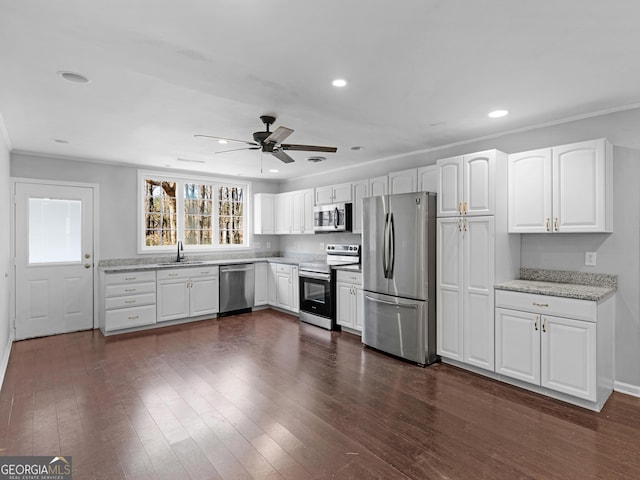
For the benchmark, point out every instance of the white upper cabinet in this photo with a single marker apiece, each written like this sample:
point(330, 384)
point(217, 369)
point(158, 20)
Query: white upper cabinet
point(263, 214)
point(284, 213)
point(428, 179)
point(378, 186)
point(404, 181)
point(564, 189)
point(467, 184)
point(360, 190)
point(333, 194)
point(302, 214)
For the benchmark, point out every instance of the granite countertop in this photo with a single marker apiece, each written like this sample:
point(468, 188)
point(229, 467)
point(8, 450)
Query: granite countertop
point(194, 263)
point(350, 268)
point(558, 283)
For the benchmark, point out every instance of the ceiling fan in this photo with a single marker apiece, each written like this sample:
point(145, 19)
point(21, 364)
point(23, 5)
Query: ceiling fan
point(271, 142)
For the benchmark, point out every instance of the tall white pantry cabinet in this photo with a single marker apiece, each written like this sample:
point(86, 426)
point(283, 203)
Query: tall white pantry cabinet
point(475, 251)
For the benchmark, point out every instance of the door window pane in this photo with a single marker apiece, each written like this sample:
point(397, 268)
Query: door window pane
point(55, 230)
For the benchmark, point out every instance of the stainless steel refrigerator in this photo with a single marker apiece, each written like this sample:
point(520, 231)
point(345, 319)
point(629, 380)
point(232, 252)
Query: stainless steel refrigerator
point(399, 278)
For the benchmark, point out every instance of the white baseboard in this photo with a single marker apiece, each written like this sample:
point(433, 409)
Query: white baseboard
point(5, 361)
point(626, 388)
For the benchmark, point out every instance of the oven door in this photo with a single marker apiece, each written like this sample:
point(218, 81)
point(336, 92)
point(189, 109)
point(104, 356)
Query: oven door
point(315, 294)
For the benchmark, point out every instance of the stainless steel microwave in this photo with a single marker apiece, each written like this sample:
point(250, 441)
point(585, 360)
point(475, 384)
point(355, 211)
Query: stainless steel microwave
point(332, 218)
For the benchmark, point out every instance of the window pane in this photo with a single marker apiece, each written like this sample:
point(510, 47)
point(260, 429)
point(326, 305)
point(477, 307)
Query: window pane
point(160, 212)
point(197, 213)
point(55, 230)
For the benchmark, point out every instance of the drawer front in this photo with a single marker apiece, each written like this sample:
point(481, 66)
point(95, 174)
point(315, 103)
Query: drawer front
point(130, 301)
point(173, 273)
point(547, 305)
point(282, 268)
point(204, 271)
point(130, 277)
point(349, 277)
point(130, 317)
point(130, 289)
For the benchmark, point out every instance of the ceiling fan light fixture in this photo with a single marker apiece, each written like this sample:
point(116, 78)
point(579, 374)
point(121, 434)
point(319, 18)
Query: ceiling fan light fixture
point(339, 82)
point(316, 159)
point(498, 113)
point(73, 77)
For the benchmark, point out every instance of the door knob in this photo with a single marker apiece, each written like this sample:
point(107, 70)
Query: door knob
point(87, 255)
point(87, 265)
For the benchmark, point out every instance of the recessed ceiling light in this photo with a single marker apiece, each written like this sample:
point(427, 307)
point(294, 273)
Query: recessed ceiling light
point(273, 170)
point(339, 82)
point(222, 140)
point(355, 148)
point(73, 77)
point(60, 140)
point(498, 113)
point(316, 159)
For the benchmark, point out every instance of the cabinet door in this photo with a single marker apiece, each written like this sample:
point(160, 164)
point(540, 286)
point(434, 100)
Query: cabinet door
point(360, 190)
point(264, 216)
point(518, 345)
point(283, 213)
point(378, 186)
point(204, 296)
point(478, 301)
point(478, 185)
point(173, 299)
point(284, 291)
point(530, 191)
point(404, 181)
point(273, 281)
point(568, 356)
point(343, 308)
point(449, 288)
point(428, 179)
point(579, 180)
point(359, 308)
point(261, 288)
point(342, 193)
point(295, 290)
point(307, 211)
point(324, 195)
point(450, 187)
point(297, 212)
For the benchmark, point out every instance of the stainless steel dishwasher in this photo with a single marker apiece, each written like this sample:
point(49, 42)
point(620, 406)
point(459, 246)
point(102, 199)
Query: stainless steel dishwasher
point(237, 284)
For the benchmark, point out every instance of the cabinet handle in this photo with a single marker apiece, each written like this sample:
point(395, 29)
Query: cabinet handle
point(536, 304)
point(544, 325)
point(130, 278)
point(459, 224)
point(464, 208)
point(129, 289)
point(535, 324)
point(129, 301)
point(134, 317)
point(548, 224)
point(464, 223)
point(172, 274)
point(459, 208)
point(555, 224)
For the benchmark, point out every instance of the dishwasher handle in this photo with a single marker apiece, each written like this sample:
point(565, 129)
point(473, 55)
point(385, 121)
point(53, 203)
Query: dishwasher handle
point(236, 268)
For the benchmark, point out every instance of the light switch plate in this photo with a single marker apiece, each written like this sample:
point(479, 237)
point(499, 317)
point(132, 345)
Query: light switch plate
point(590, 258)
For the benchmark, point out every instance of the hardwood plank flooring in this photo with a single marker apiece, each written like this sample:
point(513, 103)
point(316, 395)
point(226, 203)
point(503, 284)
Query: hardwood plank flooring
point(261, 396)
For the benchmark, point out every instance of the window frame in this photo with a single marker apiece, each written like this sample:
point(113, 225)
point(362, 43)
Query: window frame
point(181, 180)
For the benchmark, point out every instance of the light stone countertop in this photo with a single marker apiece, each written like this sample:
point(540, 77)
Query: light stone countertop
point(350, 268)
point(559, 283)
point(197, 263)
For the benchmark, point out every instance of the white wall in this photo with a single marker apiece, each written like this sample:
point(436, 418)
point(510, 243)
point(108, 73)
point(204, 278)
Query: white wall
point(618, 253)
point(5, 256)
point(118, 190)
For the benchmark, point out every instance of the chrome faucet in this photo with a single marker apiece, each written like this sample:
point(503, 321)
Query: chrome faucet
point(180, 252)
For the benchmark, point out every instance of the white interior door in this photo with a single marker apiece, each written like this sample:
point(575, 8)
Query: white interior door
point(54, 259)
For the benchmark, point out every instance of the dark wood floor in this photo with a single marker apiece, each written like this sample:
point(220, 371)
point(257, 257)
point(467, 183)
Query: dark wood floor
point(260, 396)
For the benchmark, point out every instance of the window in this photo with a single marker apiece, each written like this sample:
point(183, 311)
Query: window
point(206, 214)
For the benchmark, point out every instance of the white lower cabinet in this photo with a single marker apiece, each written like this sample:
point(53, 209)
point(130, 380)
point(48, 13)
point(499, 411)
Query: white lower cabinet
point(283, 286)
point(187, 292)
point(261, 288)
point(561, 344)
point(350, 300)
point(128, 301)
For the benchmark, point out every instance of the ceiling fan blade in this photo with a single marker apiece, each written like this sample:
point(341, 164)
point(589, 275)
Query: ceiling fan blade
point(280, 155)
point(227, 139)
point(278, 135)
point(237, 149)
point(308, 148)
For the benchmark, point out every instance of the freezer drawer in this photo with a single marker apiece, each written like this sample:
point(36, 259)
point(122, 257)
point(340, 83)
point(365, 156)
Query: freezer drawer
point(398, 326)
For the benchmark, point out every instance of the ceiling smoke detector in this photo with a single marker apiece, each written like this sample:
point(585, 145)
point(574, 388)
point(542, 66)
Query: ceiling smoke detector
point(316, 159)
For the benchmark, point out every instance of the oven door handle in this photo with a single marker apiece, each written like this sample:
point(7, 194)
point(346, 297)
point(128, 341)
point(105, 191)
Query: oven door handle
point(317, 276)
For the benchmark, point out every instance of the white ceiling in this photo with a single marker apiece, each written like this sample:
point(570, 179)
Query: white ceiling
point(421, 73)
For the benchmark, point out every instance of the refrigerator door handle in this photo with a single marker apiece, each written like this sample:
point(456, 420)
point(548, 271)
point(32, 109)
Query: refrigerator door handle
point(399, 305)
point(385, 249)
point(392, 246)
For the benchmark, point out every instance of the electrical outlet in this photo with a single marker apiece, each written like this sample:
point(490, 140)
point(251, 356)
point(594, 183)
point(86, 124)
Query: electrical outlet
point(590, 258)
